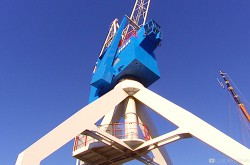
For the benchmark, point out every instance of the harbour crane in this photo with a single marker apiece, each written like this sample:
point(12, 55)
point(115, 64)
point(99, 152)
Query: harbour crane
point(115, 127)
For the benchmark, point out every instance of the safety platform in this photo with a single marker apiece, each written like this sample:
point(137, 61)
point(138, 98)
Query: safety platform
point(110, 145)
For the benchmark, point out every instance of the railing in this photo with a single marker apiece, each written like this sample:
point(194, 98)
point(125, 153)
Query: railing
point(118, 130)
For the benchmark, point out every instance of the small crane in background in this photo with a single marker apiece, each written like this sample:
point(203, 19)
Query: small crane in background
point(235, 96)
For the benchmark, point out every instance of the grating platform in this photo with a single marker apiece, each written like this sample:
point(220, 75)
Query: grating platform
point(105, 155)
point(104, 150)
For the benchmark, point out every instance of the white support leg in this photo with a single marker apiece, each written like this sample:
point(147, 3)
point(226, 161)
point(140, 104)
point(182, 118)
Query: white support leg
point(84, 120)
point(66, 131)
point(112, 117)
point(164, 139)
point(160, 154)
point(194, 125)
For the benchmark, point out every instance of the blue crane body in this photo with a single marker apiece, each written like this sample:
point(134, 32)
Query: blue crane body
point(128, 57)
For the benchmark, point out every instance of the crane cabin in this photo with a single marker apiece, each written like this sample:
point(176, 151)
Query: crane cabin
point(130, 55)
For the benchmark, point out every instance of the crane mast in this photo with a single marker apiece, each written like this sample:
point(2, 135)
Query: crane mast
point(235, 96)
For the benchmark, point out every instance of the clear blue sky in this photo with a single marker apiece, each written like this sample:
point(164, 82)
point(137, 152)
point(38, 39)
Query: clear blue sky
point(48, 49)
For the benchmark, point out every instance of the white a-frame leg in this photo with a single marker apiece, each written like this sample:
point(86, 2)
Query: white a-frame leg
point(188, 125)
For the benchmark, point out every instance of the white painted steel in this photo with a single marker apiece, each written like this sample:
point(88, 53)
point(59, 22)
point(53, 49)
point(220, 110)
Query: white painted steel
point(164, 139)
point(194, 125)
point(187, 125)
point(140, 12)
point(112, 31)
point(160, 154)
point(138, 16)
point(73, 126)
point(130, 117)
point(112, 117)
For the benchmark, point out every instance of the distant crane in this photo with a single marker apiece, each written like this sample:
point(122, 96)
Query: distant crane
point(235, 96)
point(115, 127)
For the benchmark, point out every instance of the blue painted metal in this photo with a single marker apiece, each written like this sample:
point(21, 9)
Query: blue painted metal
point(132, 57)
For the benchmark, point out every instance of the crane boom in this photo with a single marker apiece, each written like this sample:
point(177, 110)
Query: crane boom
point(140, 12)
point(112, 30)
point(137, 18)
point(235, 96)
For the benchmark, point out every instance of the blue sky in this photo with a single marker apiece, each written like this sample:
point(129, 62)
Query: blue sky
point(48, 50)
